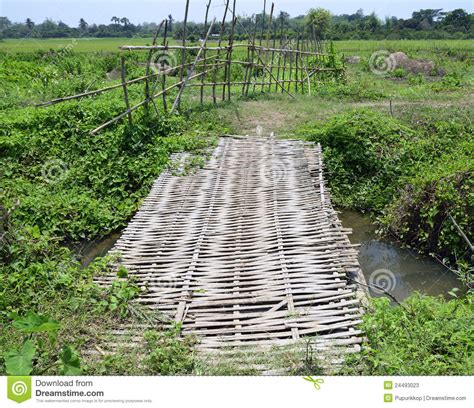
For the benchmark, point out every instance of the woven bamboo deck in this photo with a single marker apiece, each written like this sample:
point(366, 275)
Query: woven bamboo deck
point(247, 251)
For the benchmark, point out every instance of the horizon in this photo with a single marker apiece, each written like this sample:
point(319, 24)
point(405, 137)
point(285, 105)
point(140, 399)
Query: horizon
point(100, 12)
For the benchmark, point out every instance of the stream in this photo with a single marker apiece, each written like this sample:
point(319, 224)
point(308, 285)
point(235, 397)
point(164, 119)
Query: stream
point(399, 270)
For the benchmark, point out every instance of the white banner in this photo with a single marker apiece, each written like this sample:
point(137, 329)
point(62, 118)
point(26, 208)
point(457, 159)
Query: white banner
point(238, 392)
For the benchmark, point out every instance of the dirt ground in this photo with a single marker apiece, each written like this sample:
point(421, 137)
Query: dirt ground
point(280, 114)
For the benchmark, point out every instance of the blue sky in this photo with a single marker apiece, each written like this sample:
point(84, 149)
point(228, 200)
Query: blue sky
point(100, 11)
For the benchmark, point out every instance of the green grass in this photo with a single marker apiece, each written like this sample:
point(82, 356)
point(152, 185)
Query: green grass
point(76, 44)
point(426, 336)
point(365, 47)
point(61, 187)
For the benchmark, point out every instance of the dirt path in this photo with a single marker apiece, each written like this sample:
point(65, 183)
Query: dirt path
point(281, 115)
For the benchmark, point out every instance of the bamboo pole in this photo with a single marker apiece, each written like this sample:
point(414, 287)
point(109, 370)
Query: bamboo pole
point(269, 32)
point(279, 55)
point(296, 63)
point(125, 90)
point(163, 78)
point(290, 57)
point(183, 51)
point(229, 53)
point(262, 34)
point(196, 48)
point(219, 48)
point(252, 56)
point(204, 53)
point(133, 108)
point(277, 81)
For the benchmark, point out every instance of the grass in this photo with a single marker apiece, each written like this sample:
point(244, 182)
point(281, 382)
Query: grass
point(83, 45)
point(61, 187)
point(365, 47)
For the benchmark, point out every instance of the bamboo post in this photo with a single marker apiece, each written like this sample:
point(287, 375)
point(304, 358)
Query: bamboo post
point(125, 90)
point(296, 63)
point(183, 51)
point(227, 67)
point(252, 56)
point(229, 54)
point(263, 34)
point(163, 78)
point(279, 55)
point(221, 33)
point(290, 56)
point(204, 53)
point(283, 70)
point(270, 32)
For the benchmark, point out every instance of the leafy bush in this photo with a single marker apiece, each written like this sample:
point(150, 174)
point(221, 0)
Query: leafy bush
point(167, 354)
point(415, 175)
point(428, 336)
point(363, 153)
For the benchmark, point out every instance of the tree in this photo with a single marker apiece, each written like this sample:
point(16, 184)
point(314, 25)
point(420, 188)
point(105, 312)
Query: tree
point(29, 23)
point(83, 25)
point(5, 23)
point(318, 22)
point(283, 19)
point(170, 25)
point(372, 23)
point(458, 18)
point(115, 20)
point(125, 21)
point(425, 18)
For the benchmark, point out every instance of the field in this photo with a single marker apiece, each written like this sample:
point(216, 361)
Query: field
point(397, 146)
point(347, 47)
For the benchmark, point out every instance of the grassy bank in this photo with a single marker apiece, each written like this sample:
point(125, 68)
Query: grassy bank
point(61, 187)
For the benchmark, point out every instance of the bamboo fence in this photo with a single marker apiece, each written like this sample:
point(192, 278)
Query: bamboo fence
point(271, 62)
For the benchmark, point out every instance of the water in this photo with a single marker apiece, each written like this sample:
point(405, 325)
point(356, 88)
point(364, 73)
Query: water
point(96, 249)
point(399, 270)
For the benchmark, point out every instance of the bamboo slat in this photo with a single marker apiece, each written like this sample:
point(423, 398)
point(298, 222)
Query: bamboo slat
point(246, 251)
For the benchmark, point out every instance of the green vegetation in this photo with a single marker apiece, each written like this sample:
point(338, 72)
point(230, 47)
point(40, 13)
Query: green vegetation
point(61, 188)
point(414, 173)
point(423, 24)
point(426, 336)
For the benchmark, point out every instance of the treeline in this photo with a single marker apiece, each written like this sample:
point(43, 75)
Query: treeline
point(424, 24)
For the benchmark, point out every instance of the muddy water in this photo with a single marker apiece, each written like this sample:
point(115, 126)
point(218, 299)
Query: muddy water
point(96, 249)
point(399, 270)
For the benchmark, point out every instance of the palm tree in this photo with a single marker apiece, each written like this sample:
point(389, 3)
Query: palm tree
point(115, 19)
point(125, 21)
point(170, 26)
point(83, 24)
point(29, 23)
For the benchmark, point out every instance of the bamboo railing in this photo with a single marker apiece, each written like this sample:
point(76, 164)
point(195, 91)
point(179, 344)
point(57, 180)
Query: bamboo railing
point(288, 65)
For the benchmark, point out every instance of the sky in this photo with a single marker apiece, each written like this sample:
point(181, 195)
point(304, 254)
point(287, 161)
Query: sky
point(139, 11)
